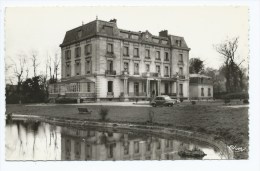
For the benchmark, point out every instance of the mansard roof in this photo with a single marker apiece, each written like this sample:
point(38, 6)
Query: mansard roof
point(110, 29)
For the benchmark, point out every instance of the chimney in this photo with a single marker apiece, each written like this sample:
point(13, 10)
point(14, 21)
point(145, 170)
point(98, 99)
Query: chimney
point(113, 21)
point(163, 33)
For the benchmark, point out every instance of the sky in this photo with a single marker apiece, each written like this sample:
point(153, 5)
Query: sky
point(43, 28)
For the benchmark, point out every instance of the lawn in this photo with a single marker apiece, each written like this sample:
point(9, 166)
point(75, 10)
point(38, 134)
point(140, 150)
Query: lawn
point(215, 119)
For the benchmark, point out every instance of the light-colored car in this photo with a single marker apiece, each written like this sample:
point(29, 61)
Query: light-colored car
point(163, 100)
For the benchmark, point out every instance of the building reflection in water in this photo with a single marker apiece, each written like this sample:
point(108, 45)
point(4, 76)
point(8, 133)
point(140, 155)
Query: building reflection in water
point(95, 145)
point(42, 141)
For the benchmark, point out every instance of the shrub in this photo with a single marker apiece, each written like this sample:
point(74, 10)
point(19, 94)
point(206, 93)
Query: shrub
point(239, 95)
point(103, 112)
point(226, 101)
point(65, 100)
point(181, 100)
point(193, 102)
point(245, 101)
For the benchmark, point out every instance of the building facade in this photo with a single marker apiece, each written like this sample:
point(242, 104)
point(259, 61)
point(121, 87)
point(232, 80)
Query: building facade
point(201, 87)
point(100, 61)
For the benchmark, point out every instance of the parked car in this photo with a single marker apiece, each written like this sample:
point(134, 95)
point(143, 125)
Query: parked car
point(163, 101)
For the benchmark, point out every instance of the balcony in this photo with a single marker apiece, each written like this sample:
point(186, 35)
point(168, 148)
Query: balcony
point(180, 76)
point(110, 94)
point(180, 63)
point(110, 72)
point(150, 74)
point(125, 72)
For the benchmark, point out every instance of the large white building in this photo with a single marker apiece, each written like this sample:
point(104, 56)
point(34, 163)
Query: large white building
point(99, 61)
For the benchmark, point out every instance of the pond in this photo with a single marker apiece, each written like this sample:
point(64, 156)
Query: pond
point(29, 140)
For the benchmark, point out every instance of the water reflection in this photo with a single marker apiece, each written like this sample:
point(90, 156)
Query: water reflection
point(41, 141)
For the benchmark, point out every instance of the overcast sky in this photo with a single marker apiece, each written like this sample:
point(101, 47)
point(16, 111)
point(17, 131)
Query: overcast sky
point(43, 29)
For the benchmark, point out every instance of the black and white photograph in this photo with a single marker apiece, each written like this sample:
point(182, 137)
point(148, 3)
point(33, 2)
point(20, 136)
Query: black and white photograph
point(127, 84)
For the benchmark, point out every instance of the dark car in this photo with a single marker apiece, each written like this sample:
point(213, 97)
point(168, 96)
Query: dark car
point(163, 101)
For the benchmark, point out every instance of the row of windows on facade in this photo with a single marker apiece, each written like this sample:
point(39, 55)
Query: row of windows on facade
point(110, 67)
point(110, 148)
point(202, 91)
point(110, 49)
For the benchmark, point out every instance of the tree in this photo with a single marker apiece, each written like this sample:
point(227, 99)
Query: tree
point(19, 67)
point(196, 66)
point(231, 70)
point(218, 79)
point(35, 64)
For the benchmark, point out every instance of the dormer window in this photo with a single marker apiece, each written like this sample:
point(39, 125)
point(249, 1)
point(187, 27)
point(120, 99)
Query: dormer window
point(178, 43)
point(79, 34)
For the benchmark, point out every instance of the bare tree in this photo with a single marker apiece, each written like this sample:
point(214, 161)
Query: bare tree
point(228, 50)
point(19, 67)
point(56, 64)
point(35, 64)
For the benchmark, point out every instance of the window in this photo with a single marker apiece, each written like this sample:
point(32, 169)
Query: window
point(88, 49)
point(136, 52)
point(67, 54)
point(148, 146)
point(147, 68)
point(77, 150)
point(209, 92)
point(126, 66)
point(136, 68)
point(158, 69)
point(89, 87)
point(158, 55)
point(109, 30)
point(126, 149)
point(88, 152)
point(181, 89)
point(88, 67)
point(202, 91)
point(180, 57)
point(136, 147)
point(147, 53)
point(166, 56)
point(166, 71)
point(181, 71)
point(78, 52)
point(77, 68)
point(167, 143)
point(110, 65)
point(110, 152)
point(126, 51)
point(110, 86)
point(109, 48)
point(136, 88)
point(79, 34)
point(68, 70)
point(158, 145)
point(178, 43)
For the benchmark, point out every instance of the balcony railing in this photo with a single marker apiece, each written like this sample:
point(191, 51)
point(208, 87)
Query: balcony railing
point(138, 94)
point(125, 72)
point(180, 63)
point(166, 75)
point(150, 74)
point(110, 94)
point(110, 72)
point(178, 76)
point(136, 73)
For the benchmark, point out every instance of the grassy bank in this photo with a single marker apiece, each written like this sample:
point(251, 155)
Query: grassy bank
point(227, 124)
